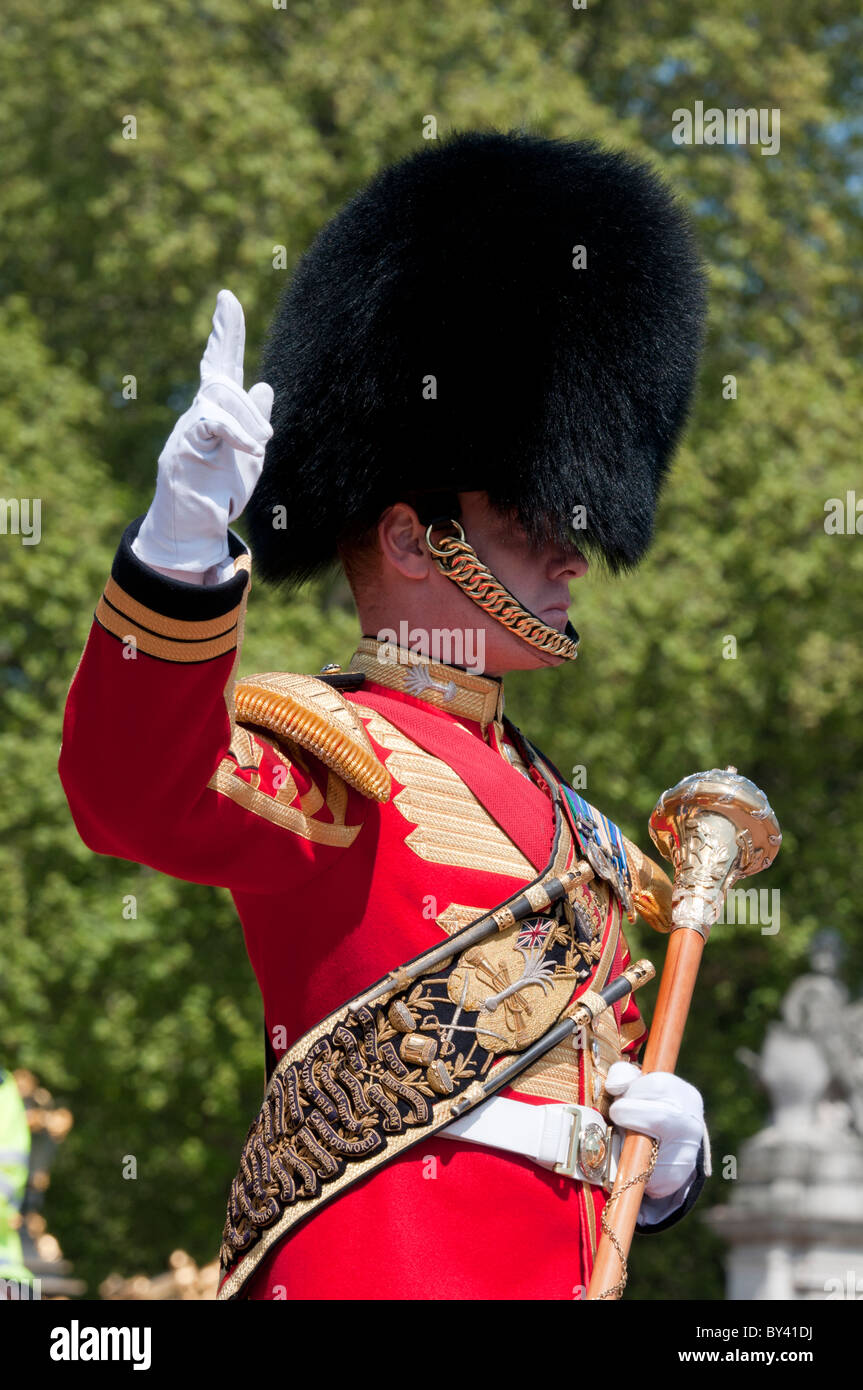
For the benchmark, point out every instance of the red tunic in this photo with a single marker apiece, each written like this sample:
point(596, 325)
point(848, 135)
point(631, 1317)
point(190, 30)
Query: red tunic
point(334, 889)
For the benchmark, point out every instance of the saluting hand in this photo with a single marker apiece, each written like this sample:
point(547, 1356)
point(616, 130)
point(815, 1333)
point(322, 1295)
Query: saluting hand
point(212, 461)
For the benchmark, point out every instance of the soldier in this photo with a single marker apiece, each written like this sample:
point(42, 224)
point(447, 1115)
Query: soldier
point(477, 378)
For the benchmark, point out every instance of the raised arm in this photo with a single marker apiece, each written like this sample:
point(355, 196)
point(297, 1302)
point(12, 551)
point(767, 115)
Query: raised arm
point(152, 763)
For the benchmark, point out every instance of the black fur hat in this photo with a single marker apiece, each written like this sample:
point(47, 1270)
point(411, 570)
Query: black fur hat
point(445, 332)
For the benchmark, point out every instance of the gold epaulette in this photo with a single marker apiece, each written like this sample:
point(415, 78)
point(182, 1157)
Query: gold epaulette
point(308, 712)
point(651, 888)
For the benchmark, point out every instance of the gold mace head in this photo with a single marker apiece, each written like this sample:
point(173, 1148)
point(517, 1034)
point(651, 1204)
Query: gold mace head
point(715, 828)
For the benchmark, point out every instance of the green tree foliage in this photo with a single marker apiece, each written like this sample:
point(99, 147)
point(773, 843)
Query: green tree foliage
point(253, 124)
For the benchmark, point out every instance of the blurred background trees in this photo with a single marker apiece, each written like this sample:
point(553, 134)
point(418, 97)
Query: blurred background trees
point(252, 126)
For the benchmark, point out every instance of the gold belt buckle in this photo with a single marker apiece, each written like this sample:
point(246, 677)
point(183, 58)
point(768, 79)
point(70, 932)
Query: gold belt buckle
point(589, 1151)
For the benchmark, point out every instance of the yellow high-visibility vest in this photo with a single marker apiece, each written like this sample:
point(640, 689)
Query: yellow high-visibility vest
point(14, 1166)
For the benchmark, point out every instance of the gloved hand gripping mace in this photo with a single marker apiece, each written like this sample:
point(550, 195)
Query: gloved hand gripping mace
point(716, 828)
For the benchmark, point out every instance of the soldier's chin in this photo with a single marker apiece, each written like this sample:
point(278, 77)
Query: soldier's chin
point(546, 659)
point(526, 657)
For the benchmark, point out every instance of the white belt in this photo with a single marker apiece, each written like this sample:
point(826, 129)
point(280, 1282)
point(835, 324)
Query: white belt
point(573, 1140)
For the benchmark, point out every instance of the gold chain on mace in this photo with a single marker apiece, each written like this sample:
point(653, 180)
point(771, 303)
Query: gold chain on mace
point(615, 1290)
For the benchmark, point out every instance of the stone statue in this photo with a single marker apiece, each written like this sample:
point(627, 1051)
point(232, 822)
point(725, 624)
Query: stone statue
point(794, 1222)
point(811, 1064)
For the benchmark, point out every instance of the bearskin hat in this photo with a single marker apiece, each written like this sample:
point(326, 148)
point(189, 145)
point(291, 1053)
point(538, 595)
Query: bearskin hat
point(496, 312)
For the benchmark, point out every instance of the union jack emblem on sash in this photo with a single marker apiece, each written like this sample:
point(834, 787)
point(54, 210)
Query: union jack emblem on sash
point(533, 933)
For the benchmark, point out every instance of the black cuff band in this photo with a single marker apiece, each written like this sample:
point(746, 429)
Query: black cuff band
point(173, 597)
point(686, 1206)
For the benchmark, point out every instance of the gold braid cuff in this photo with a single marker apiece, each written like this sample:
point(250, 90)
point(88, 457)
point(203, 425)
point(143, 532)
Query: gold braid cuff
point(458, 560)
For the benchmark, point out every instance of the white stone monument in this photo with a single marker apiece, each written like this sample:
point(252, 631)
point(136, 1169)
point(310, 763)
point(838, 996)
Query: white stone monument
point(794, 1224)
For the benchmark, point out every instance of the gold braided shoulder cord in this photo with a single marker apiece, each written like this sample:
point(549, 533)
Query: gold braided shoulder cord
point(615, 1290)
point(458, 560)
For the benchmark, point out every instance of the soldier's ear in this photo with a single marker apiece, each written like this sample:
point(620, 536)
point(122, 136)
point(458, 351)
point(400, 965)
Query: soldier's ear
point(401, 537)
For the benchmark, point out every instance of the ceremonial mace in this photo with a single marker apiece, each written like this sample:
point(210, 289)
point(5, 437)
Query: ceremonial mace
point(716, 828)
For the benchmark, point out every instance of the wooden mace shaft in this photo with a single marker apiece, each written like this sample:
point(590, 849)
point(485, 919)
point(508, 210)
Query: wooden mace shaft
point(682, 959)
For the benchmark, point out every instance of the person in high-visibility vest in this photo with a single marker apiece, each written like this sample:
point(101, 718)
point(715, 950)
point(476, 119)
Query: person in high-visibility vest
point(14, 1166)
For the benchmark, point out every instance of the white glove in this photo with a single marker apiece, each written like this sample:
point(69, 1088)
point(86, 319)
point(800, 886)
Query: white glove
point(667, 1108)
point(213, 459)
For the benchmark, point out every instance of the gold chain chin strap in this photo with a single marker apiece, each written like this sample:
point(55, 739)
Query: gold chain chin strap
point(457, 559)
point(615, 1290)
